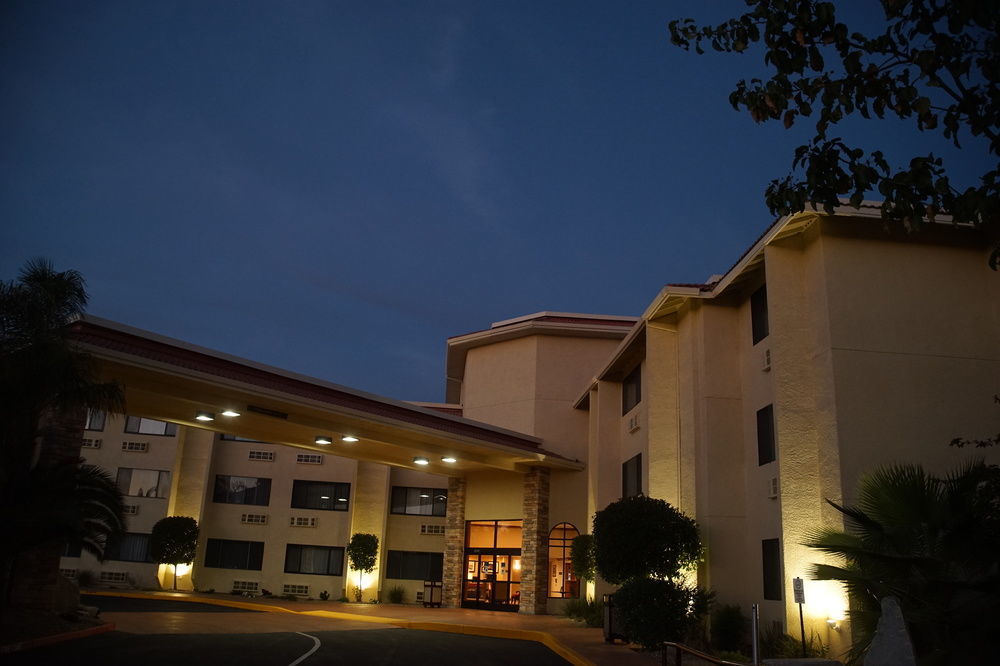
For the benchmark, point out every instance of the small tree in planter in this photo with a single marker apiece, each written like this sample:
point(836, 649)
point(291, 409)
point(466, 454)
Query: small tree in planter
point(362, 554)
point(174, 541)
point(645, 545)
point(582, 555)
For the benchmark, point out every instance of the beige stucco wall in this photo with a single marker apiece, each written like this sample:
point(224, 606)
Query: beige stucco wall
point(403, 531)
point(494, 496)
point(499, 384)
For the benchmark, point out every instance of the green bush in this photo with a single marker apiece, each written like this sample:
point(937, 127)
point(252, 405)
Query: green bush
point(728, 628)
point(653, 611)
point(776, 644)
point(588, 611)
point(396, 594)
point(582, 556)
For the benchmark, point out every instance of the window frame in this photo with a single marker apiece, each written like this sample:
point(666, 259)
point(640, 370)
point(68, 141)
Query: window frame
point(563, 544)
point(771, 578)
point(331, 550)
point(93, 416)
point(632, 390)
point(159, 482)
point(136, 422)
point(759, 322)
point(396, 563)
point(224, 490)
point(113, 550)
point(627, 468)
point(214, 550)
point(434, 504)
point(341, 490)
point(767, 446)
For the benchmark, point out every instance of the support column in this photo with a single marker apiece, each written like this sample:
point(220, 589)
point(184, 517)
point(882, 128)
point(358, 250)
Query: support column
point(535, 542)
point(371, 508)
point(190, 489)
point(454, 545)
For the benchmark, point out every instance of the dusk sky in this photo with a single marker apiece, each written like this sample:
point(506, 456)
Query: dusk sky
point(335, 188)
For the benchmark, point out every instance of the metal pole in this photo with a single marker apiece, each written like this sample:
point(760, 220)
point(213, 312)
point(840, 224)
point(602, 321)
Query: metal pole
point(755, 634)
point(802, 628)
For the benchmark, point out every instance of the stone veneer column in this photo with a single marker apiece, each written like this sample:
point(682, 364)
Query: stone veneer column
point(534, 542)
point(37, 579)
point(454, 544)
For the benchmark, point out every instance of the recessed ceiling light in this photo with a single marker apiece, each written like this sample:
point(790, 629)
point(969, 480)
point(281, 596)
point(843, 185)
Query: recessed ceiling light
point(230, 412)
point(448, 459)
point(324, 497)
point(341, 499)
point(420, 460)
point(348, 438)
point(424, 495)
point(205, 416)
point(323, 439)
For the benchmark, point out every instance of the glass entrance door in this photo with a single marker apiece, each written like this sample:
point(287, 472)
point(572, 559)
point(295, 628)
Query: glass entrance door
point(492, 576)
point(492, 581)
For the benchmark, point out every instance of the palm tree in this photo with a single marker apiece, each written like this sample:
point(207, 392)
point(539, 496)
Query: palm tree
point(934, 544)
point(46, 383)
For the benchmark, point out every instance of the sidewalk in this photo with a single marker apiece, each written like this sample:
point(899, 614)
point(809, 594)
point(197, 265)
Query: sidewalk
point(572, 641)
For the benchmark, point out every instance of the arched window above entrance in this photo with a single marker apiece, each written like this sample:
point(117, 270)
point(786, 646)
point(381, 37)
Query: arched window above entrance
point(562, 583)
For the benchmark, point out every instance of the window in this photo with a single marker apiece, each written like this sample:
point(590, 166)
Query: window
point(562, 583)
point(419, 501)
point(132, 547)
point(95, 420)
point(144, 482)
point(758, 314)
point(632, 476)
point(317, 560)
point(321, 495)
point(411, 565)
point(632, 390)
point(242, 490)
point(229, 554)
point(140, 426)
point(771, 557)
point(765, 435)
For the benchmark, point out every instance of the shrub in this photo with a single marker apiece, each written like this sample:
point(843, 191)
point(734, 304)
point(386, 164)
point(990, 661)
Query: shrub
point(396, 594)
point(728, 628)
point(582, 556)
point(85, 578)
point(324, 595)
point(776, 644)
point(654, 611)
point(588, 611)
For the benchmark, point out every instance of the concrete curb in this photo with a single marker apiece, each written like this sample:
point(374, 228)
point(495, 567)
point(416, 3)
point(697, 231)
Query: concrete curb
point(543, 637)
point(57, 638)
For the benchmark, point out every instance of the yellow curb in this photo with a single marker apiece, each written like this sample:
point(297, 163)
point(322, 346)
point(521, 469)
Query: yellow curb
point(52, 639)
point(543, 637)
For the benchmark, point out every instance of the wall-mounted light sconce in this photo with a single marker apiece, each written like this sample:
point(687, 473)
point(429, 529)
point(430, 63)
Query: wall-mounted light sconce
point(205, 416)
point(448, 459)
point(323, 439)
point(834, 624)
point(349, 438)
point(230, 412)
point(420, 460)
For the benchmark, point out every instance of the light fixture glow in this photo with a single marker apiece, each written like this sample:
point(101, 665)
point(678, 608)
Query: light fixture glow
point(205, 416)
point(341, 499)
point(230, 412)
point(424, 495)
point(323, 439)
point(348, 438)
point(448, 459)
point(420, 460)
point(324, 497)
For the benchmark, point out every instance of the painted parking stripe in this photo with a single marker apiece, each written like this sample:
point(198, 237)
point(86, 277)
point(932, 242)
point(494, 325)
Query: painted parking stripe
point(307, 654)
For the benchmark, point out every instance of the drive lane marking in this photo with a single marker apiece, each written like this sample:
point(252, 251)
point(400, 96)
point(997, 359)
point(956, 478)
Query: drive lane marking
point(307, 654)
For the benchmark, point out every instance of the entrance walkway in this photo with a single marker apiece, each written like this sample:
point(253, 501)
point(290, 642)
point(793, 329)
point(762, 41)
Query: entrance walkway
point(577, 644)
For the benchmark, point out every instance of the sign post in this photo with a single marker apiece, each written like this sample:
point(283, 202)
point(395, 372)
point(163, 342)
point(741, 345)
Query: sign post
point(800, 598)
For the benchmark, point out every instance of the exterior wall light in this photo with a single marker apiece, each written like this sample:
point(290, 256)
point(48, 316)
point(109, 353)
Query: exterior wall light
point(323, 439)
point(420, 460)
point(230, 412)
point(204, 416)
point(448, 459)
point(348, 438)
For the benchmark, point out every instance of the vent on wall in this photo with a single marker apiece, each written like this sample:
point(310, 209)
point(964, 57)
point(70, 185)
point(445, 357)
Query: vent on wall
point(633, 422)
point(246, 586)
point(90, 443)
point(69, 573)
point(432, 529)
point(765, 363)
point(266, 456)
point(137, 447)
point(114, 577)
point(254, 519)
point(302, 521)
point(302, 590)
point(309, 458)
point(772, 487)
point(130, 509)
point(267, 412)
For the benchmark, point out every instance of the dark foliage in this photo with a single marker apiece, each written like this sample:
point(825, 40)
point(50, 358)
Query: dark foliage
point(174, 541)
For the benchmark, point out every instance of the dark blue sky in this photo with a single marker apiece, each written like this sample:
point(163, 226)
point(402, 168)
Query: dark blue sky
point(337, 187)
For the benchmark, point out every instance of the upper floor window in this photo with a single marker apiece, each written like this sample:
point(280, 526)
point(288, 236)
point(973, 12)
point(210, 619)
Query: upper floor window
point(562, 583)
point(419, 501)
point(323, 495)
point(765, 435)
point(632, 476)
point(242, 490)
point(758, 314)
point(232, 554)
point(144, 482)
point(95, 420)
point(142, 426)
point(632, 390)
